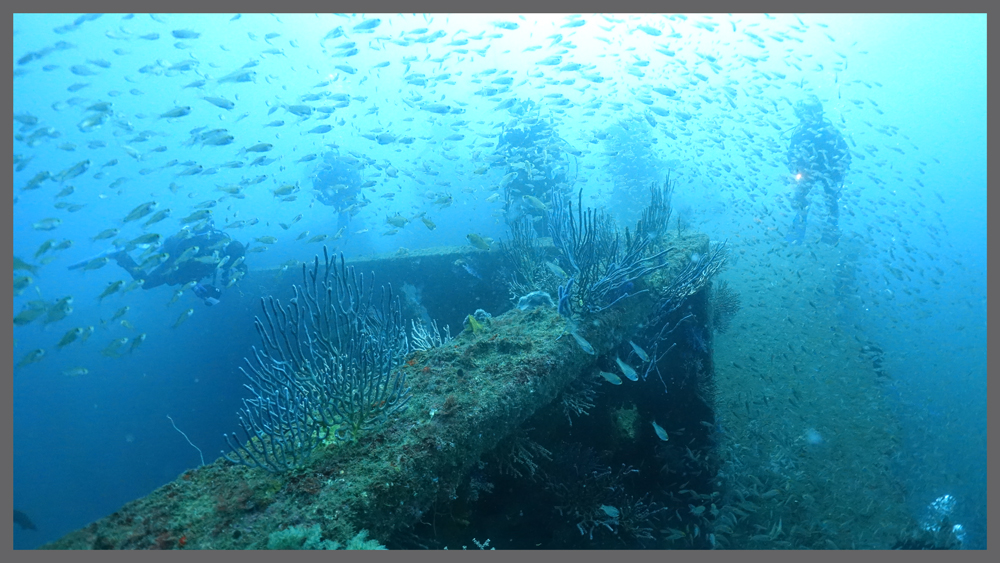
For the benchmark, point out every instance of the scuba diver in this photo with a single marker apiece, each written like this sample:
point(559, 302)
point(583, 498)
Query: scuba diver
point(206, 257)
point(537, 161)
point(337, 182)
point(817, 155)
point(936, 530)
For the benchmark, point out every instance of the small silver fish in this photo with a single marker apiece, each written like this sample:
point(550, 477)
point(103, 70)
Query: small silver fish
point(584, 345)
point(639, 351)
point(627, 370)
point(611, 378)
point(660, 432)
point(219, 102)
point(184, 316)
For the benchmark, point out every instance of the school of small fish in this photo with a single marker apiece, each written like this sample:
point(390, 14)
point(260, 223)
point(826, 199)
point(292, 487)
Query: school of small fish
point(175, 125)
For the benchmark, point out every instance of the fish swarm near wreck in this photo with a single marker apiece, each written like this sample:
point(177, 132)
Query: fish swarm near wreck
point(466, 397)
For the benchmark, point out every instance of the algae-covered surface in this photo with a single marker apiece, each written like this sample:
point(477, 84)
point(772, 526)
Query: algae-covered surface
point(467, 396)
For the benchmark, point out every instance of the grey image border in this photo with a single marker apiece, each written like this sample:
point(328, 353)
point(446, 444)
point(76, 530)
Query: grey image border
point(514, 7)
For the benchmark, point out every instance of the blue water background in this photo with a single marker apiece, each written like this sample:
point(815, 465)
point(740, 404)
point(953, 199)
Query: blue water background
point(85, 445)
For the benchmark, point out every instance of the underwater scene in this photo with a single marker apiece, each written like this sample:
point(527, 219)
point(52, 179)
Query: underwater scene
point(499, 281)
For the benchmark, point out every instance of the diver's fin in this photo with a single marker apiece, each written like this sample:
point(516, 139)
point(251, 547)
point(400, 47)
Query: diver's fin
point(107, 253)
point(797, 233)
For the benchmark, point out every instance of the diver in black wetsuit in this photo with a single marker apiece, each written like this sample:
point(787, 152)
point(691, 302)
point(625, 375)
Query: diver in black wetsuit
point(537, 161)
point(337, 183)
point(208, 254)
point(817, 155)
